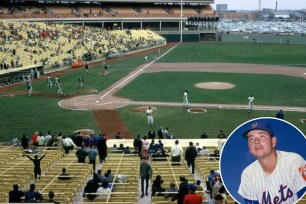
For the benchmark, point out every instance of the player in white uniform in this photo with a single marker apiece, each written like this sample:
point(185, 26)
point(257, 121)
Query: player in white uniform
point(150, 116)
point(60, 90)
point(276, 176)
point(185, 99)
point(56, 81)
point(146, 58)
point(30, 88)
point(251, 101)
point(49, 81)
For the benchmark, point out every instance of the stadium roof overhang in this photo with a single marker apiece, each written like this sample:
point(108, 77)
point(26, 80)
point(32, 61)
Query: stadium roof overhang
point(129, 1)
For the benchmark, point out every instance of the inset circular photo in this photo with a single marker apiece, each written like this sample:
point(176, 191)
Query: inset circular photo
point(263, 161)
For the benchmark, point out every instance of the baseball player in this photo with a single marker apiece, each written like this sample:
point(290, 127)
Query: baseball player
point(150, 116)
point(60, 90)
point(276, 176)
point(30, 88)
point(56, 81)
point(146, 58)
point(80, 83)
point(251, 101)
point(49, 81)
point(86, 67)
point(185, 99)
point(106, 70)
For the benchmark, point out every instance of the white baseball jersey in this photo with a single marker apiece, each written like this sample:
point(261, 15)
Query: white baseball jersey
point(149, 116)
point(251, 99)
point(281, 186)
point(185, 98)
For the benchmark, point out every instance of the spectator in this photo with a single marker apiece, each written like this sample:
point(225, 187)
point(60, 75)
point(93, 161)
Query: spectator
point(81, 154)
point(204, 152)
point(221, 135)
point(113, 149)
point(15, 195)
point(36, 162)
point(160, 132)
point(204, 135)
point(51, 198)
point(198, 184)
point(25, 141)
point(41, 140)
point(50, 142)
point(109, 175)
point(92, 155)
point(176, 152)
point(32, 195)
point(15, 141)
point(193, 198)
point(209, 180)
point(151, 134)
point(137, 145)
point(145, 174)
point(145, 147)
point(198, 147)
point(183, 190)
point(118, 136)
point(171, 189)
point(157, 185)
point(68, 144)
point(218, 199)
point(102, 149)
point(190, 156)
point(101, 177)
point(48, 137)
point(34, 138)
point(64, 175)
point(280, 114)
point(91, 187)
point(104, 189)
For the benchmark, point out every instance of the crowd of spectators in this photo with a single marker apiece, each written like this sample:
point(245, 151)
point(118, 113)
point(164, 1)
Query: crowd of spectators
point(54, 45)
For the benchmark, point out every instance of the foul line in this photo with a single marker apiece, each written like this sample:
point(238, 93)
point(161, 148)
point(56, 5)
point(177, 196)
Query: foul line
point(140, 70)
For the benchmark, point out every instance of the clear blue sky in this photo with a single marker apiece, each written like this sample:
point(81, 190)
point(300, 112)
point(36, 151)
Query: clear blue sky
point(254, 4)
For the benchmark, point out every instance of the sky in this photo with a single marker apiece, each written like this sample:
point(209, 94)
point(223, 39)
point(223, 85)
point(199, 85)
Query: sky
point(254, 4)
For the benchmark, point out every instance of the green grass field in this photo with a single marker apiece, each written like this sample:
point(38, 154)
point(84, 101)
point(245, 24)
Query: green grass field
point(22, 114)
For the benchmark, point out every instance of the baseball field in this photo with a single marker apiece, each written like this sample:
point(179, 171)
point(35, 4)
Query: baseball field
point(273, 73)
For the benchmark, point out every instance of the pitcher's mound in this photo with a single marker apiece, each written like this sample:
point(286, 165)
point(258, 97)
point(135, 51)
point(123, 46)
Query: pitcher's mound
point(215, 85)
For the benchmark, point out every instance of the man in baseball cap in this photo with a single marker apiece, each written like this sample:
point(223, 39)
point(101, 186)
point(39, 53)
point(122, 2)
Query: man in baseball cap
point(193, 198)
point(275, 175)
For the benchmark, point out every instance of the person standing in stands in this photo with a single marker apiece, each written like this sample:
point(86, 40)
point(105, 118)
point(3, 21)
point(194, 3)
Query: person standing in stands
point(193, 198)
point(68, 144)
point(182, 192)
point(176, 152)
point(92, 155)
point(81, 154)
point(24, 142)
point(36, 162)
point(190, 156)
point(145, 174)
point(145, 147)
point(138, 145)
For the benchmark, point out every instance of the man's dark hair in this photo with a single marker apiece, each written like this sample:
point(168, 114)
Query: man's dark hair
point(176, 141)
point(182, 178)
point(51, 194)
point(219, 197)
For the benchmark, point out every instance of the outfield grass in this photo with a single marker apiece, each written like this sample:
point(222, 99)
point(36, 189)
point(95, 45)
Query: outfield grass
point(191, 125)
point(272, 54)
point(22, 114)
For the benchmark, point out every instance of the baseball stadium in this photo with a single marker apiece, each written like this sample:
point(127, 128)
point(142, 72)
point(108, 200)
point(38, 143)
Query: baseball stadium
point(76, 74)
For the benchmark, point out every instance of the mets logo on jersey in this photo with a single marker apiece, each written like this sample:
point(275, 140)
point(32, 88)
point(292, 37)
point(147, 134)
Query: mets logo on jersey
point(302, 170)
point(285, 193)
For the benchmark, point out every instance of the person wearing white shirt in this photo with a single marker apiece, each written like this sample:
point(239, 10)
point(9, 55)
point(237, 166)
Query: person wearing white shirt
point(176, 152)
point(68, 144)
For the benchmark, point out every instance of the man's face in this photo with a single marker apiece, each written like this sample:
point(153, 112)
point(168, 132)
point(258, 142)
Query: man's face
point(260, 143)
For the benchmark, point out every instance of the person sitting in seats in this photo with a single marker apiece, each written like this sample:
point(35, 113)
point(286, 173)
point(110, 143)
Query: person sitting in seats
point(64, 175)
point(172, 188)
point(32, 195)
point(104, 189)
point(15, 195)
point(157, 186)
point(91, 187)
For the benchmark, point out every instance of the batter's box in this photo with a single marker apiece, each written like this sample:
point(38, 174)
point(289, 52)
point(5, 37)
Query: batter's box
point(303, 120)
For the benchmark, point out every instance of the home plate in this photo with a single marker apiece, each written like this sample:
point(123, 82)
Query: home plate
point(97, 101)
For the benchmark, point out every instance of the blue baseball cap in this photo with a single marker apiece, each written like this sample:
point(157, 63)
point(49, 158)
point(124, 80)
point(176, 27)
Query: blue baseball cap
point(192, 187)
point(257, 125)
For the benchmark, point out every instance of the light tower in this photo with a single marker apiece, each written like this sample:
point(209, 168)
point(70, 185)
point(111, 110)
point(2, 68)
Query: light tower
point(259, 6)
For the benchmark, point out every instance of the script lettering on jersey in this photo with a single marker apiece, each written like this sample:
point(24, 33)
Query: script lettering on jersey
point(284, 191)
